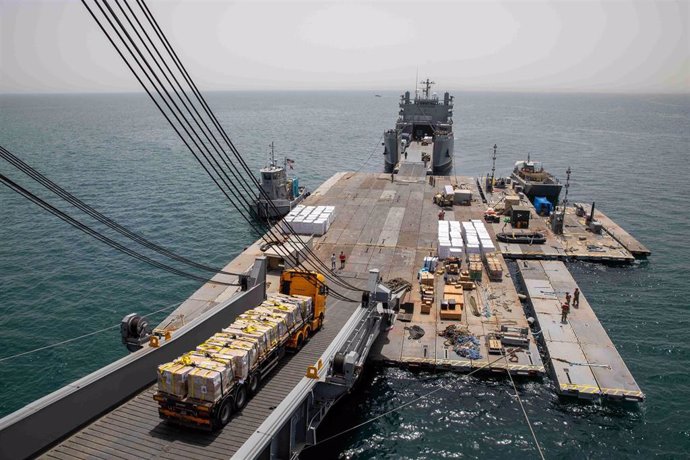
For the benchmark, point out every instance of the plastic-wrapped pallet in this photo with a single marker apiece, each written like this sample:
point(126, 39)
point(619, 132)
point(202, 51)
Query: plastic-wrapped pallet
point(210, 380)
point(268, 318)
point(172, 378)
point(455, 252)
point(472, 248)
point(225, 341)
point(487, 246)
point(239, 358)
point(289, 312)
point(270, 330)
point(239, 332)
point(304, 303)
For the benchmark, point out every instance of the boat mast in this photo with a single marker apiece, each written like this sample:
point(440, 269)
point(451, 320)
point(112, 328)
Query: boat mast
point(273, 156)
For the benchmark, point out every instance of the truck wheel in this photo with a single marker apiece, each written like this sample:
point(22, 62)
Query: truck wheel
point(241, 397)
point(254, 381)
point(300, 342)
point(224, 413)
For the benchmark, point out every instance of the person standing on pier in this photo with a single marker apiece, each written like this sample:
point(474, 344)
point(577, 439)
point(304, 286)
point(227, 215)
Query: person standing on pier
point(441, 214)
point(576, 298)
point(342, 260)
point(567, 298)
point(333, 261)
point(565, 309)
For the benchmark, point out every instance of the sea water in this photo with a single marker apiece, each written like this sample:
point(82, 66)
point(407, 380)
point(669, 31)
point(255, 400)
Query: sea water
point(629, 153)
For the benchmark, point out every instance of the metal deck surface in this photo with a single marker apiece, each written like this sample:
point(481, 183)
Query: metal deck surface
point(134, 430)
point(576, 242)
point(584, 361)
point(390, 225)
point(628, 241)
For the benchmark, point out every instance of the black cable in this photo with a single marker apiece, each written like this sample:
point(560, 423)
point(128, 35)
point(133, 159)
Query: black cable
point(76, 202)
point(99, 236)
point(219, 127)
point(166, 103)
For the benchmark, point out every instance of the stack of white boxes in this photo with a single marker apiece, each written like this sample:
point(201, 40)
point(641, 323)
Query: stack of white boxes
point(469, 235)
point(485, 243)
point(449, 239)
point(309, 220)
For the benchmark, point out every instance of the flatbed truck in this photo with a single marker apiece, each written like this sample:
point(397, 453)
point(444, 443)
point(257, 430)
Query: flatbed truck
point(212, 415)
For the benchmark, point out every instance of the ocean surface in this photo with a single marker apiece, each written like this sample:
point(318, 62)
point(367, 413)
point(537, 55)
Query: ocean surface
point(629, 153)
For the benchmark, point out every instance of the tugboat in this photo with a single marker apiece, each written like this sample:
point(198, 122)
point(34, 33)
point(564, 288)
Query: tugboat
point(536, 181)
point(283, 192)
point(423, 133)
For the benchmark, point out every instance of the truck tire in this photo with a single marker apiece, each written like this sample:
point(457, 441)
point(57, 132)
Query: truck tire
point(254, 381)
point(241, 397)
point(224, 413)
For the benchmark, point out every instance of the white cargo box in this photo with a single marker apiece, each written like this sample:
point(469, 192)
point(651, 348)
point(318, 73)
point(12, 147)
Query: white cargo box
point(448, 189)
point(455, 252)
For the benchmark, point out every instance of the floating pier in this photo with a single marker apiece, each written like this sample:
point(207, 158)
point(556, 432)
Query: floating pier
point(583, 360)
point(389, 223)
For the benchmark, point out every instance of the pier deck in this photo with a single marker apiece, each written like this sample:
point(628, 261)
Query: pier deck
point(134, 430)
point(583, 360)
point(613, 245)
point(636, 248)
point(390, 225)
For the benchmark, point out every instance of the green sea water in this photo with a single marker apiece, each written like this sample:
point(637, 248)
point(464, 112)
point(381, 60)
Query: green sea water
point(629, 153)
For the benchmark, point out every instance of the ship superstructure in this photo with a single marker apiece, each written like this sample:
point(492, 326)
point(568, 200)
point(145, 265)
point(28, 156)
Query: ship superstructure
point(283, 192)
point(536, 181)
point(423, 132)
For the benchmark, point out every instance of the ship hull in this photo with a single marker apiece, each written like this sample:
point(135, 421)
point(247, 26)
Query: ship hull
point(279, 209)
point(391, 150)
point(443, 155)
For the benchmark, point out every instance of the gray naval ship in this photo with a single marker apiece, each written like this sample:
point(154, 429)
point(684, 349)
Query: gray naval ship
point(423, 133)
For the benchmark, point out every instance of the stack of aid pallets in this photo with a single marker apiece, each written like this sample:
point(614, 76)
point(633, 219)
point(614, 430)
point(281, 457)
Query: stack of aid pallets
point(493, 267)
point(426, 285)
point(230, 356)
point(308, 220)
point(475, 267)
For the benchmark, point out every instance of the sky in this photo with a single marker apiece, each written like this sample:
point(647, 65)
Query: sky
point(511, 45)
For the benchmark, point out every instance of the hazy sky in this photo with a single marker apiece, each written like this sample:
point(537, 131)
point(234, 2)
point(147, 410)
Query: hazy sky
point(618, 46)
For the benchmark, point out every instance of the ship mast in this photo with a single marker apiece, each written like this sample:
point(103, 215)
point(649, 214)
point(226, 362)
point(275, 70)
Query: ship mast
point(427, 87)
point(567, 186)
point(493, 165)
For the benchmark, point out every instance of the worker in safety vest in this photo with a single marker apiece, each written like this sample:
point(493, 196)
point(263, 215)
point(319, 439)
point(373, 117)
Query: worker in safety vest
point(342, 259)
point(441, 214)
point(565, 309)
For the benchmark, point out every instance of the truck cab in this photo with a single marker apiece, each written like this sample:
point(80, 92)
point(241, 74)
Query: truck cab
point(310, 284)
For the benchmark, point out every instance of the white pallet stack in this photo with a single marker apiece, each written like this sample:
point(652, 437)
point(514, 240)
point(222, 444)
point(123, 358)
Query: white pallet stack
point(485, 243)
point(309, 220)
point(449, 239)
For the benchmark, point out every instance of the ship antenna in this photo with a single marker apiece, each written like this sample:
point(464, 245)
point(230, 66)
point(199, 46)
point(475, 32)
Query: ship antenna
point(273, 156)
point(528, 154)
point(567, 186)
